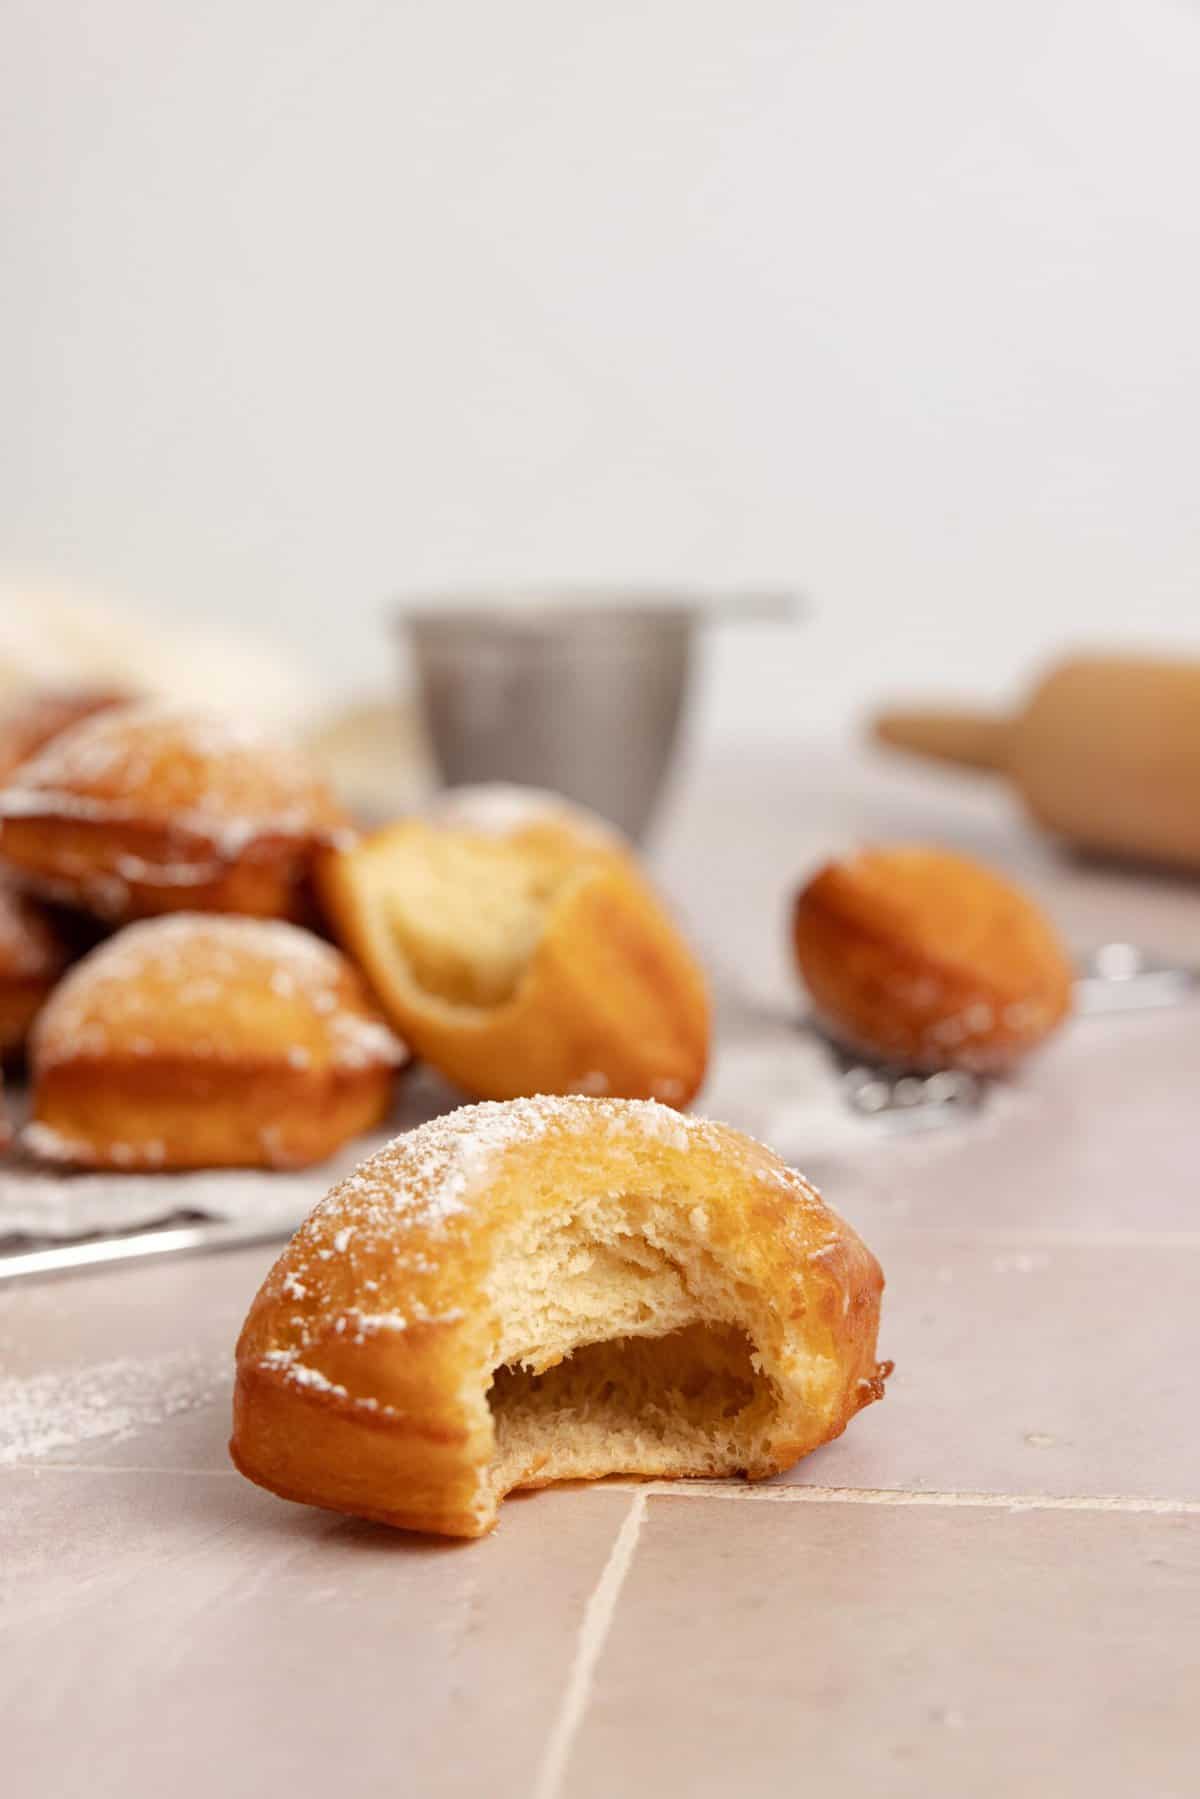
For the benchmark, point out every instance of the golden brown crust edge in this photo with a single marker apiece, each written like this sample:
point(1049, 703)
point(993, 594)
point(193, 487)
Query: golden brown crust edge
point(21, 999)
point(154, 807)
point(889, 979)
point(359, 1368)
point(171, 1113)
point(33, 955)
point(612, 1001)
point(121, 871)
point(30, 721)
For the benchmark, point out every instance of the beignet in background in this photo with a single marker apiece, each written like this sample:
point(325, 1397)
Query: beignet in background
point(925, 958)
point(206, 1042)
point(517, 946)
point(552, 1289)
point(152, 808)
point(33, 955)
point(30, 720)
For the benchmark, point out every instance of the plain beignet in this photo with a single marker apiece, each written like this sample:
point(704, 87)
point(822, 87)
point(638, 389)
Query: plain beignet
point(29, 721)
point(150, 808)
point(517, 946)
point(200, 1041)
point(926, 958)
point(545, 1290)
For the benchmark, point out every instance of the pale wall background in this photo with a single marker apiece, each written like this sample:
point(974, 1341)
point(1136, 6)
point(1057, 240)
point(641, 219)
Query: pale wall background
point(899, 299)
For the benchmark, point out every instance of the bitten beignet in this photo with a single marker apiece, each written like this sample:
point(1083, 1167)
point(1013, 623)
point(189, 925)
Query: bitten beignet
point(921, 957)
point(207, 1042)
point(552, 1289)
point(152, 808)
point(32, 957)
point(519, 949)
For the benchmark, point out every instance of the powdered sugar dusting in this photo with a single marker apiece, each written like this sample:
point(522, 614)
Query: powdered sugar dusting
point(195, 771)
point(427, 1177)
point(207, 962)
point(47, 1144)
point(427, 1182)
point(46, 1414)
point(284, 1361)
point(498, 809)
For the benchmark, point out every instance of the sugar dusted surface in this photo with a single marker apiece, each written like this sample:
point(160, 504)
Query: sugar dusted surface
point(206, 962)
point(61, 1410)
point(428, 1175)
point(218, 776)
point(428, 1179)
point(500, 809)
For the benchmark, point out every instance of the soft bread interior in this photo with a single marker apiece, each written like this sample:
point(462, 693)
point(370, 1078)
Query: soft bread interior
point(465, 913)
point(691, 1402)
point(625, 1349)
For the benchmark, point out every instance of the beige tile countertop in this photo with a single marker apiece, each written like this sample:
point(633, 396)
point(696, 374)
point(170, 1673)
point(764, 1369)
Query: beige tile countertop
point(989, 1586)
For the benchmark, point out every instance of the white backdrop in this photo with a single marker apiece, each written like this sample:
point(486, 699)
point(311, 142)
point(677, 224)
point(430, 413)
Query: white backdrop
point(304, 302)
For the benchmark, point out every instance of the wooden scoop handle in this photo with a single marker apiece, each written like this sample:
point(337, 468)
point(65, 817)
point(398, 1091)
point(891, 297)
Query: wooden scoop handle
point(951, 734)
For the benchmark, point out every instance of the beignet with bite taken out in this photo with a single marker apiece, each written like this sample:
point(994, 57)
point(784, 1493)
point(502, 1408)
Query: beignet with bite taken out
point(517, 946)
point(550, 1290)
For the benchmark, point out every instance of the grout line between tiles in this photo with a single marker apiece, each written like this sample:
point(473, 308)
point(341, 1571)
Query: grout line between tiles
point(740, 1489)
point(597, 1620)
point(899, 1496)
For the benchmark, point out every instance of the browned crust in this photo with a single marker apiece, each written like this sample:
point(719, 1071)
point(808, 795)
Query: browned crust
point(362, 1456)
point(33, 954)
point(127, 870)
point(34, 718)
point(927, 958)
point(21, 999)
point(390, 1424)
point(612, 1001)
point(174, 1112)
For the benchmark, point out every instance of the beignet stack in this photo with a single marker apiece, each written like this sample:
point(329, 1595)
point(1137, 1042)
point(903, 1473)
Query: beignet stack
point(510, 937)
point(552, 1289)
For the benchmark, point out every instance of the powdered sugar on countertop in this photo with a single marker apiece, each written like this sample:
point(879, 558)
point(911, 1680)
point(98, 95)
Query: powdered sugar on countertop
point(47, 1414)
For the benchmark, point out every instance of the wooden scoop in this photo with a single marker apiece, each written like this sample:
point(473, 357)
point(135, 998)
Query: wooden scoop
point(1105, 753)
